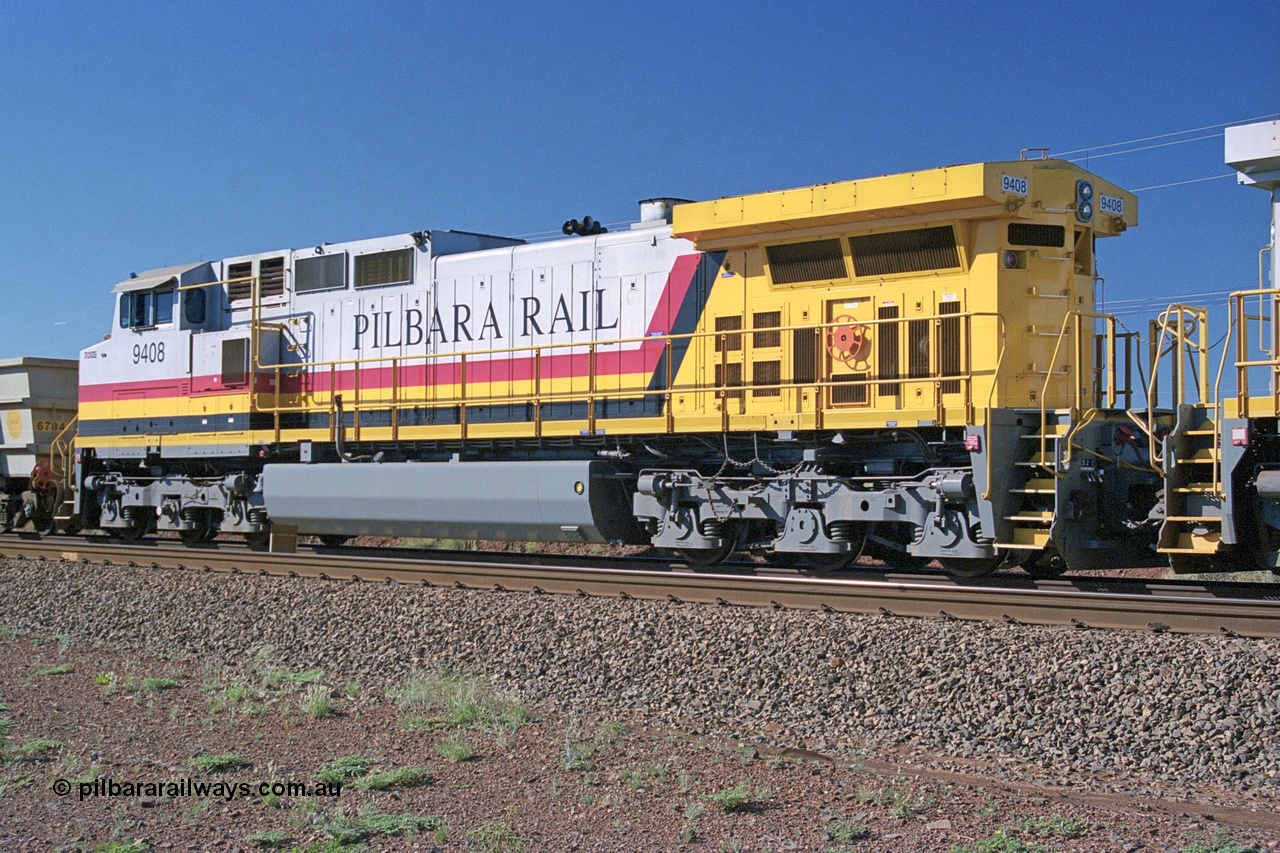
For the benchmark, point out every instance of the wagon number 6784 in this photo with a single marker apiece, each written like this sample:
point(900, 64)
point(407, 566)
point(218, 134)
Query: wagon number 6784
point(153, 352)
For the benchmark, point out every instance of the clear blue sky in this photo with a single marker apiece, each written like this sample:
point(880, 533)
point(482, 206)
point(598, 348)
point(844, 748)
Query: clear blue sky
point(135, 135)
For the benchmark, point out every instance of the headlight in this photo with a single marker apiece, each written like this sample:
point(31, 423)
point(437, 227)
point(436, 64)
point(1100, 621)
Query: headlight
point(1084, 201)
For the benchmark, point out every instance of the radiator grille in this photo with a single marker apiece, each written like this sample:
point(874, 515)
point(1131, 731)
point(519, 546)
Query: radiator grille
point(734, 380)
point(843, 394)
point(730, 343)
point(804, 356)
point(766, 320)
point(917, 250)
point(816, 260)
point(887, 352)
point(949, 346)
point(766, 373)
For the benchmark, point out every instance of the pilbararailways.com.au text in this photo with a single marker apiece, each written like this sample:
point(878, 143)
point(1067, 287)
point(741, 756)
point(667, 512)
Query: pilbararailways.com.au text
point(110, 787)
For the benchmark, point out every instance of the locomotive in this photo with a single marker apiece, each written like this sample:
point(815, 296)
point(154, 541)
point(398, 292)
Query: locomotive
point(907, 366)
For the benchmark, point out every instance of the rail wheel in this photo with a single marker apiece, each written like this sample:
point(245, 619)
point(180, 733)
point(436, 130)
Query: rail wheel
point(333, 540)
point(705, 558)
point(203, 530)
point(137, 526)
point(973, 567)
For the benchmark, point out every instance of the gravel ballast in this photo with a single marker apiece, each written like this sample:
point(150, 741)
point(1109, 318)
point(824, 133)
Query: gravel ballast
point(1157, 715)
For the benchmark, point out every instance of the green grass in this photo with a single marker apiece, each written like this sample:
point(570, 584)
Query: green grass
point(315, 703)
point(58, 669)
point(219, 763)
point(739, 797)
point(456, 750)
point(401, 777)
point(496, 837)
point(152, 685)
point(1054, 826)
point(34, 749)
point(844, 830)
point(611, 734)
point(344, 768)
point(272, 840)
point(1218, 841)
point(372, 824)
point(898, 799)
point(443, 700)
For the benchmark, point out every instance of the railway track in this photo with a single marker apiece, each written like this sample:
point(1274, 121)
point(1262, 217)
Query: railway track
point(1251, 610)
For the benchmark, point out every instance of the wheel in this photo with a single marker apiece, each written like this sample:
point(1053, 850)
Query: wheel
point(333, 540)
point(1044, 566)
point(832, 562)
point(138, 527)
point(974, 567)
point(705, 558)
point(201, 531)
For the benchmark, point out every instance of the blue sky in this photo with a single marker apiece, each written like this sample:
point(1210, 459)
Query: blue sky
point(135, 135)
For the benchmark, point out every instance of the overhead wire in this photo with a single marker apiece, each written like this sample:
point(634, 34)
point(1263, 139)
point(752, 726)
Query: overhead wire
point(1165, 135)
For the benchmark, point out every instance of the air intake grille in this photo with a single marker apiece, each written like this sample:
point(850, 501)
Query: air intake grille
point(271, 277)
point(816, 260)
point(918, 250)
point(1023, 234)
point(240, 289)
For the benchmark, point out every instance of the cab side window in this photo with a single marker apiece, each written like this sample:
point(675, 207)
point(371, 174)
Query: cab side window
point(146, 309)
point(193, 307)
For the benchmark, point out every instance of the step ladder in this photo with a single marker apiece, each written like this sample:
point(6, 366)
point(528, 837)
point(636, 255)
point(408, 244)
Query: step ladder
point(1193, 486)
point(1036, 480)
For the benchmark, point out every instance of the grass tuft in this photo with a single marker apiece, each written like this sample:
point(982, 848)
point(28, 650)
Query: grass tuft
point(58, 669)
point(219, 763)
point(152, 685)
point(456, 750)
point(34, 749)
point(442, 700)
point(341, 769)
point(272, 840)
point(739, 797)
point(401, 777)
point(371, 824)
point(315, 703)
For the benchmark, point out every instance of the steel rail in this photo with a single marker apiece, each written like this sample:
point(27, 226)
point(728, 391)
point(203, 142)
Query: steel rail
point(1152, 607)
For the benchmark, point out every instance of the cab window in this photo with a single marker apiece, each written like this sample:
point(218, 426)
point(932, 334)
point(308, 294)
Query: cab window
point(145, 309)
